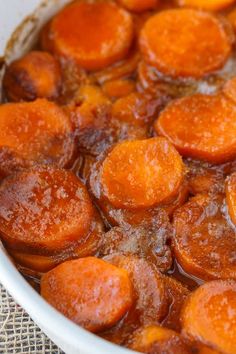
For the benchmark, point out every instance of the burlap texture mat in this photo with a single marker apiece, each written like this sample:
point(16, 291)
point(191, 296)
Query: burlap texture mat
point(18, 333)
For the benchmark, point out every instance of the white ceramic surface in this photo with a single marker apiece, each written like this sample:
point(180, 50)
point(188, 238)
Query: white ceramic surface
point(69, 337)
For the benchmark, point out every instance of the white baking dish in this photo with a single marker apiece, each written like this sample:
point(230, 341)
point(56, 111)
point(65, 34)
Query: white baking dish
point(68, 336)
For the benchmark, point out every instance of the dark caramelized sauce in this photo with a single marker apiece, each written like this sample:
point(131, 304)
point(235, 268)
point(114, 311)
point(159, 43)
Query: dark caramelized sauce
point(179, 274)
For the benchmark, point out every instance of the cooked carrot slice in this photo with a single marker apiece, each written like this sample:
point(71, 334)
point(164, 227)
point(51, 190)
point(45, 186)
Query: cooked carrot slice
point(139, 5)
point(89, 291)
point(118, 88)
point(229, 89)
point(201, 126)
point(177, 295)
point(36, 75)
point(36, 132)
point(108, 29)
point(209, 315)
point(44, 210)
point(141, 173)
point(210, 5)
point(204, 243)
point(176, 42)
point(157, 340)
point(151, 302)
point(231, 196)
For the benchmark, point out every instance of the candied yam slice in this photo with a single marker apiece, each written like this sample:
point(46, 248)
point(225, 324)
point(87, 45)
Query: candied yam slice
point(86, 247)
point(149, 287)
point(232, 19)
point(204, 178)
point(34, 262)
point(37, 132)
point(118, 88)
point(44, 209)
point(231, 196)
point(201, 126)
point(139, 5)
point(36, 75)
point(229, 89)
point(89, 291)
point(209, 5)
point(93, 34)
point(209, 315)
point(136, 109)
point(176, 42)
point(204, 243)
point(92, 104)
point(123, 69)
point(202, 349)
point(141, 173)
point(157, 340)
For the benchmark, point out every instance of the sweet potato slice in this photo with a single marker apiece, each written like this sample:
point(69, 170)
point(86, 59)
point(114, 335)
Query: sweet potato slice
point(229, 89)
point(36, 75)
point(232, 19)
point(148, 285)
point(134, 217)
point(44, 210)
point(136, 109)
point(34, 262)
point(150, 304)
point(89, 291)
point(123, 69)
point(86, 247)
point(141, 173)
point(139, 5)
point(118, 88)
point(202, 349)
point(94, 34)
point(231, 197)
point(201, 126)
point(133, 114)
point(209, 315)
point(33, 133)
point(210, 5)
point(157, 340)
point(204, 242)
point(176, 42)
point(89, 102)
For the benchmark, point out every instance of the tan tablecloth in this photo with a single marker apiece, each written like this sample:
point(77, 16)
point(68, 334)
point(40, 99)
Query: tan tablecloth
point(18, 333)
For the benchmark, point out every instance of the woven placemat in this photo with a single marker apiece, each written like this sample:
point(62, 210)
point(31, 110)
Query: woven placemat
point(18, 333)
